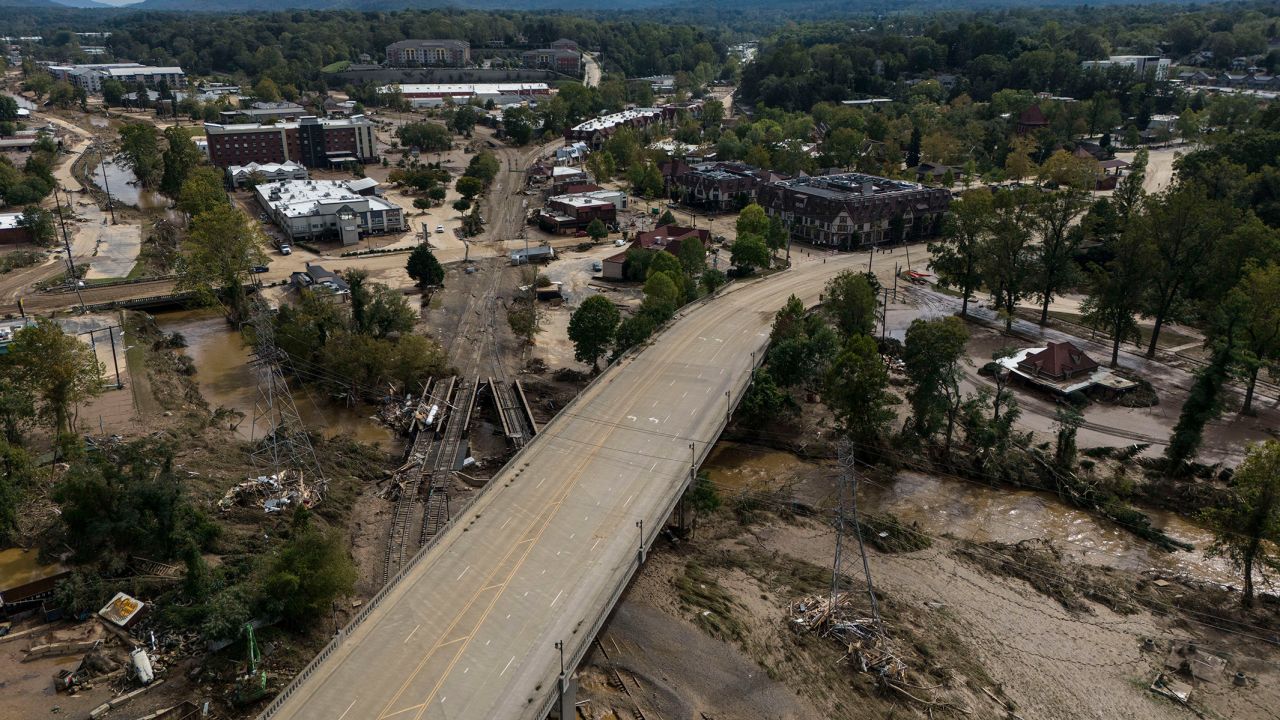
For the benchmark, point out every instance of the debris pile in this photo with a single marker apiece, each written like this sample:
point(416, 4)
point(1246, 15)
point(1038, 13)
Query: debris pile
point(868, 648)
point(274, 492)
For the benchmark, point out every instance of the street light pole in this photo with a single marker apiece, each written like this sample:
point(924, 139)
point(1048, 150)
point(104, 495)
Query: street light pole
point(106, 184)
point(66, 241)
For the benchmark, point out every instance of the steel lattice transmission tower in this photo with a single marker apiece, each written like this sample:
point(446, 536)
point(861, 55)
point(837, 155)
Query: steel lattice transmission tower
point(280, 439)
point(848, 528)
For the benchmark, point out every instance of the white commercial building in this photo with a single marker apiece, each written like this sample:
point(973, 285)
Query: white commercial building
point(1140, 64)
point(433, 93)
point(266, 172)
point(329, 208)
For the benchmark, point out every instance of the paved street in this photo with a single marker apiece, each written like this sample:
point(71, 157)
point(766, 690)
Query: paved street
point(471, 631)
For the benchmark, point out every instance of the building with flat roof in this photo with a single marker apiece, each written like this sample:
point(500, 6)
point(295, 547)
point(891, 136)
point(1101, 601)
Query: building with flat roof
point(853, 210)
point(262, 112)
point(596, 131)
point(561, 59)
point(311, 141)
point(570, 213)
point(1141, 65)
point(13, 229)
point(241, 175)
point(466, 92)
point(429, 53)
point(90, 77)
point(328, 209)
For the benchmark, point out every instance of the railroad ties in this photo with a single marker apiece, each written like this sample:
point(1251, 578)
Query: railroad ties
point(517, 419)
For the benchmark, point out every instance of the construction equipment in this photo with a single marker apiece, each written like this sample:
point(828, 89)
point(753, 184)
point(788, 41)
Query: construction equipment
point(253, 685)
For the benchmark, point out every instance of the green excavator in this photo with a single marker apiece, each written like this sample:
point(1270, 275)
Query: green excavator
point(253, 685)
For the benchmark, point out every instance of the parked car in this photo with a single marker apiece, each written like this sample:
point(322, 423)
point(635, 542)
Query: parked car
point(597, 266)
point(258, 269)
point(285, 249)
point(439, 228)
point(619, 242)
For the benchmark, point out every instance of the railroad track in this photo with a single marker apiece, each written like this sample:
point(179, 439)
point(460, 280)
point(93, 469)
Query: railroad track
point(402, 541)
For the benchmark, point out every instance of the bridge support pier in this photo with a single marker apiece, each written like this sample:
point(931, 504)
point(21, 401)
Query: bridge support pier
point(566, 699)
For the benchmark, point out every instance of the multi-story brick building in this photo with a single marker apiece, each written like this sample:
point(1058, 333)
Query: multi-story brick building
point(563, 56)
point(714, 185)
point(429, 53)
point(596, 131)
point(311, 141)
point(852, 210)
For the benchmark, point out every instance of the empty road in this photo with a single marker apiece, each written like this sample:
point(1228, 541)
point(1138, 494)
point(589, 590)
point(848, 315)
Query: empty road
point(540, 557)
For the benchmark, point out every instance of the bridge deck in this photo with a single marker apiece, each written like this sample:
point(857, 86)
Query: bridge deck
point(544, 552)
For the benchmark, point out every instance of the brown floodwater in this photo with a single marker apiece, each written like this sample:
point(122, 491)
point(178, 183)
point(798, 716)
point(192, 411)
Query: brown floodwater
point(226, 379)
point(117, 177)
point(973, 511)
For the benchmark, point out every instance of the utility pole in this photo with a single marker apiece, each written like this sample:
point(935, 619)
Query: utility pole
point(106, 185)
point(884, 317)
point(66, 241)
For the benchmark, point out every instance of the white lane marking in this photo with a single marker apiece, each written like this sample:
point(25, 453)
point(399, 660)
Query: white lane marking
point(655, 403)
point(504, 670)
point(464, 572)
point(443, 698)
point(535, 487)
point(572, 534)
point(406, 639)
point(486, 642)
point(466, 670)
point(553, 602)
point(344, 712)
point(692, 411)
point(673, 382)
point(684, 395)
point(594, 544)
point(628, 502)
point(655, 464)
point(632, 418)
point(505, 524)
point(654, 420)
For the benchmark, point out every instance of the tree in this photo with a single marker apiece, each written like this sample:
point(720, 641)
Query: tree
point(1180, 225)
point(377, 310)
point(222, 246)
point(140, 147)
point(1116, 291)
point(631, 332)
point(113, 92)
point(266, 90)
point(180, 156)
point(517, 123)
point(60, 370)
point(667, 218)
point(763, 401)
point(1257, 298)
point(913, 148)
point(1203, 404)
point(857, 391)
point(596, 230)
point(850, 302)
point(484, 166)
point(469, 187)
point(592, 328)
point(301, 580)
point(1006, 260)
point(524, 322)
point(1247, 530)
point(955, 258)
point(39, 222)
point(463, 119)
point(701, 498)
point(753, 221)
point(749, 253)
point(712, 279)
point(426, 136)
point(461, 205)
point(423, 267)
point(661, 297)
point(1052, 219)
point(933, 355)
point(201, 190)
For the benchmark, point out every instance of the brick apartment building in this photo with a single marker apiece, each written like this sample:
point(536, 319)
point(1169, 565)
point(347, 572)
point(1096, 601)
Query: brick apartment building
point(562, 56)
point(852, 210)
point(596, 131)
point(567, 214)
point(714, 185)
point(311, 141)
point(429, 53)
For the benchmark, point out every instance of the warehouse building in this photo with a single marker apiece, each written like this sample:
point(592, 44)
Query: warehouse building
point(311, 141)
point(852, 210)
point(329, 209)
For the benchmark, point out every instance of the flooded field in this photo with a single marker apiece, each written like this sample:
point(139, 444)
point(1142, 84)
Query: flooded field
point(118, 178)
point(972, 511)
point(227, 380)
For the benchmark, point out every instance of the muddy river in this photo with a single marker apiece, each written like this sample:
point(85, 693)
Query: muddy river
point(226, 380)
point(973, 511)
point(117, 177)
